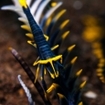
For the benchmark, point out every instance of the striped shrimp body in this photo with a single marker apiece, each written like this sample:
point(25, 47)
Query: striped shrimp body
point(44, 50)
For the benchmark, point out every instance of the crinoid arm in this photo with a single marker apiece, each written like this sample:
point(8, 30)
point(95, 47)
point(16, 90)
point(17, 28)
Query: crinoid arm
point(28, 94)
point(40, 23)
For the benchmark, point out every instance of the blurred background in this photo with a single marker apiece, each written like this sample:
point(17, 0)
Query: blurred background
point(87, 31)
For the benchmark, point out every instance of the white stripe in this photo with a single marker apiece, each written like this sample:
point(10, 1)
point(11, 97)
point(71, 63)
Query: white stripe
point(40, 10)
point(35, 6)
point(28, 2)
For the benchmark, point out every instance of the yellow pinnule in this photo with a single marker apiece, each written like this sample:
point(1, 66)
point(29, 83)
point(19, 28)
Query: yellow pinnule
point(73, 60)
point(80, 103)
point(79, 72)
point(64, 24)
point(52, 87)
point(83, 84)
point(53, 4)
point(71, 47)
point(23, 3)
point(65, 34)
point(26, 27)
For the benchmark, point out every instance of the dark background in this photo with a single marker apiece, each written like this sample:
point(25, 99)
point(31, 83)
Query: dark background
point(11, 34)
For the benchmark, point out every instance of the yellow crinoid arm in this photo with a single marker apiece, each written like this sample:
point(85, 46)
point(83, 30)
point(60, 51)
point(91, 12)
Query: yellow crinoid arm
point(23, 3)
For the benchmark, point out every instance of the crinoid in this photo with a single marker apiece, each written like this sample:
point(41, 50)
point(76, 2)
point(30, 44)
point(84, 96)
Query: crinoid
point(36, 16)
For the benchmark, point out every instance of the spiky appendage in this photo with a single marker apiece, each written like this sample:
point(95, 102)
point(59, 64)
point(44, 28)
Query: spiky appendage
point(93, 33)
point(64, 82)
